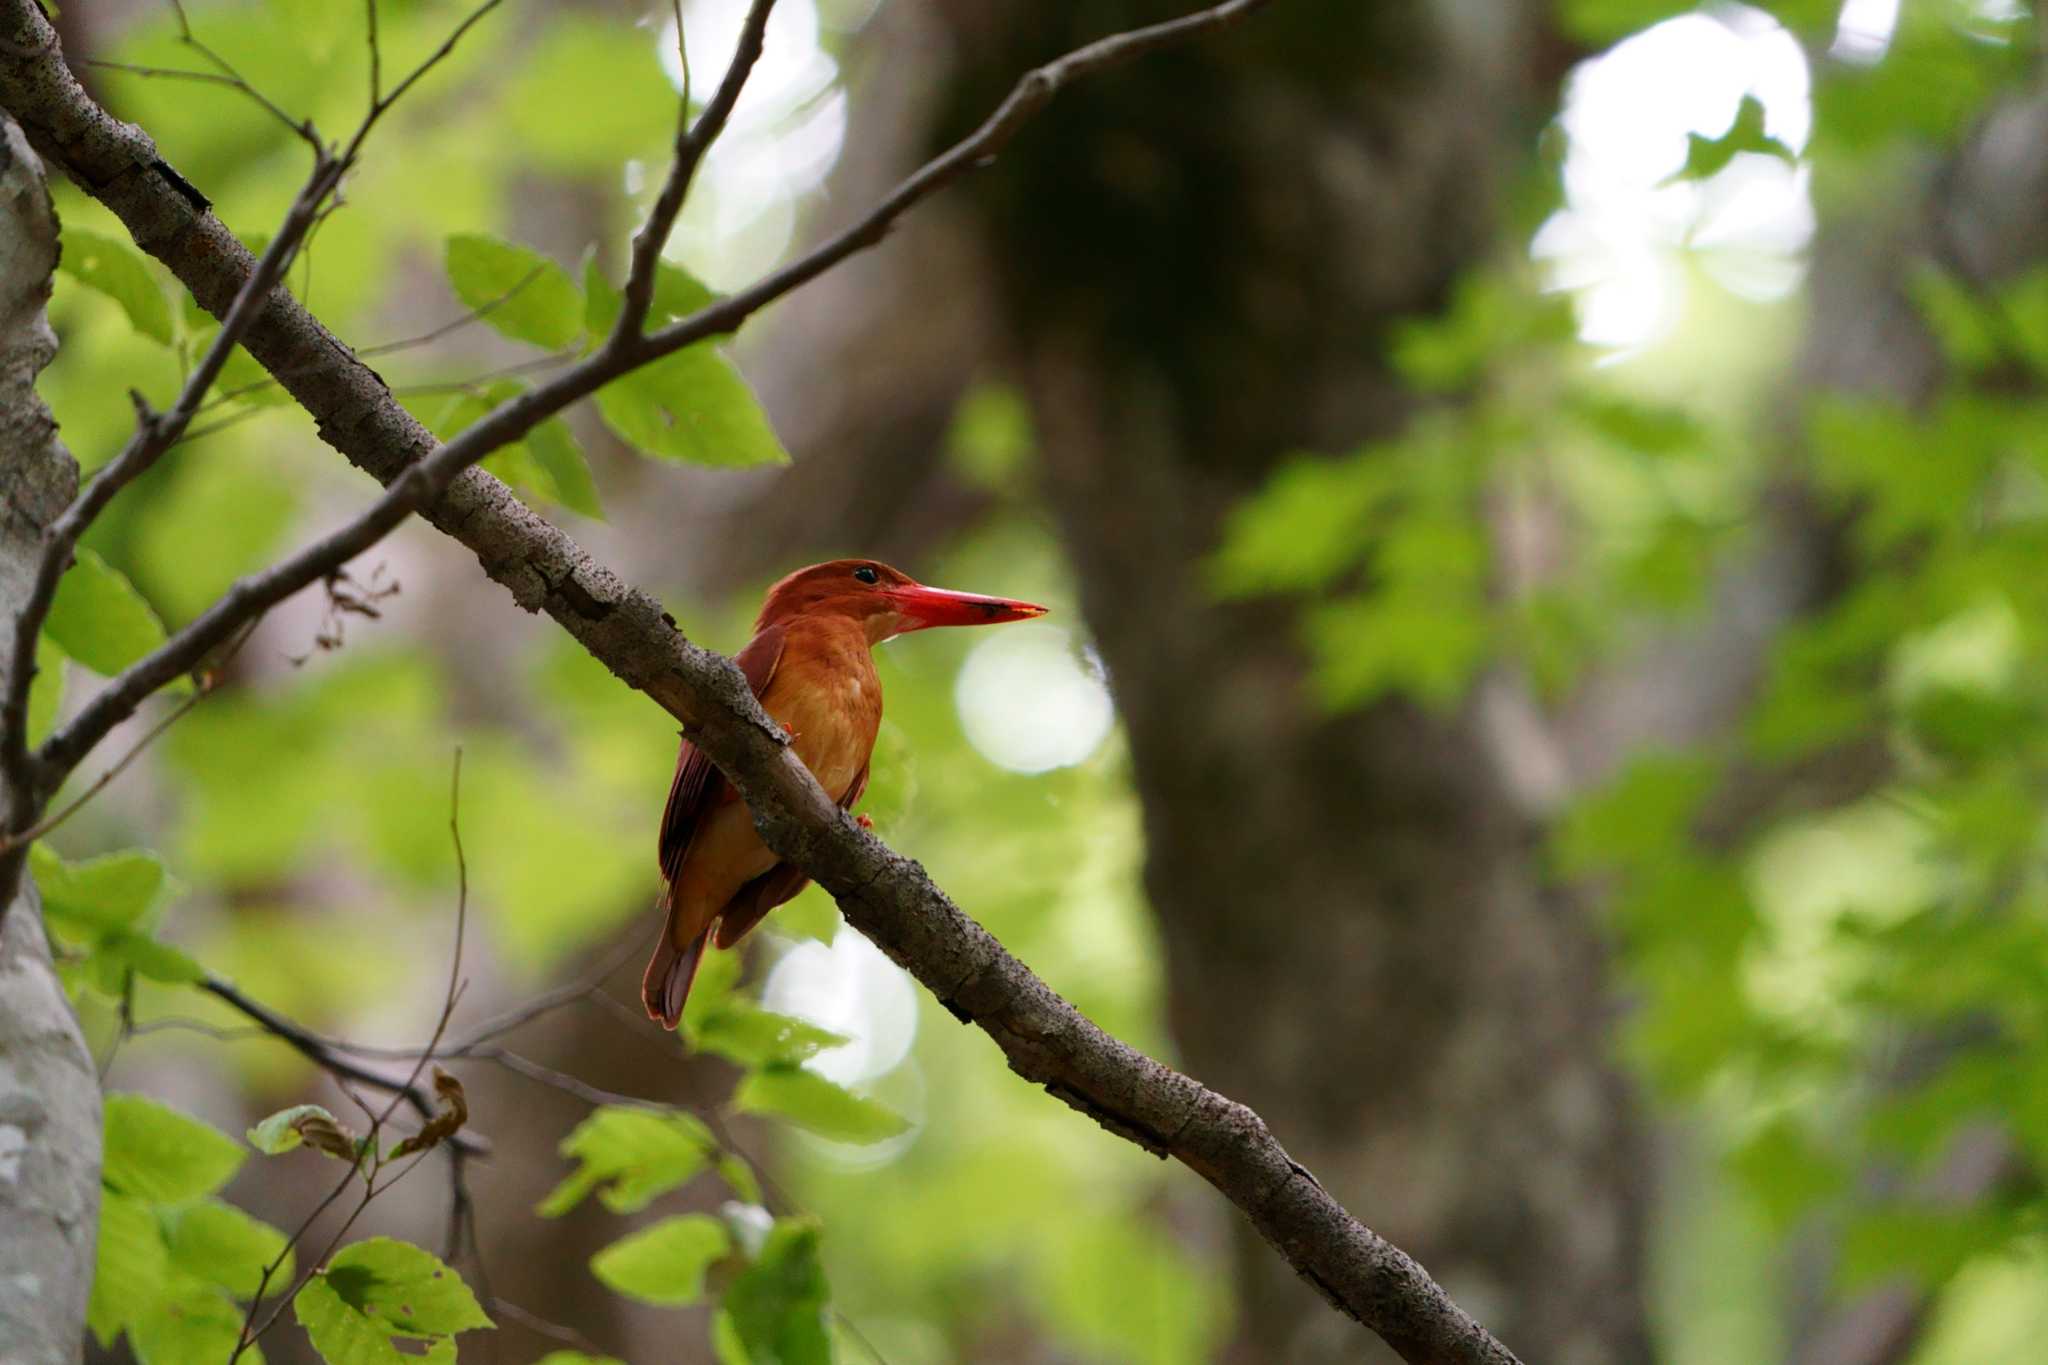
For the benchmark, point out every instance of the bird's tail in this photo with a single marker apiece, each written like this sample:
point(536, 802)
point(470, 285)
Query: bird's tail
point(669, 974)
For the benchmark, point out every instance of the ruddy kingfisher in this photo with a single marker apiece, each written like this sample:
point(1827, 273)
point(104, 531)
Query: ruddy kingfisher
point(811, 665)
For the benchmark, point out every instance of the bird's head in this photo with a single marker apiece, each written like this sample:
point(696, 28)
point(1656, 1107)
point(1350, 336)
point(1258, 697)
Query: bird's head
point(884, 601)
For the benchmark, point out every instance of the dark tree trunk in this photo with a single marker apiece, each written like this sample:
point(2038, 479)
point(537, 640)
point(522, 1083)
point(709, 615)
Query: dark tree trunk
point(1203, 257)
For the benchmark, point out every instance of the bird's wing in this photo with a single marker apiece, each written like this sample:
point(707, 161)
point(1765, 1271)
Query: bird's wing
point(699, 788)
point(774, 887)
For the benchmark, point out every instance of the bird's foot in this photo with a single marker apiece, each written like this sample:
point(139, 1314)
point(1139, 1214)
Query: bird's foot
point(864, 822)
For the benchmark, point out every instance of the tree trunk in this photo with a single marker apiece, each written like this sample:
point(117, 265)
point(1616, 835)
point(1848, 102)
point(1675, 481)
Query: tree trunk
point(1205, 255)
point(49, 1094)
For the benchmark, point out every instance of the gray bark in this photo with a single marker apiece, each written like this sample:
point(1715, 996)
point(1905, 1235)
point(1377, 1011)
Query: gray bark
point(49, 1094)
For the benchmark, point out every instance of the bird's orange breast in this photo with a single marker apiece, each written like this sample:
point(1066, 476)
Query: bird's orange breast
point(826, 693)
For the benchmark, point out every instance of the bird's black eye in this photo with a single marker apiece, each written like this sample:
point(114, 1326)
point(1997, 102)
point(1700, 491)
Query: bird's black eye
point(866, 574)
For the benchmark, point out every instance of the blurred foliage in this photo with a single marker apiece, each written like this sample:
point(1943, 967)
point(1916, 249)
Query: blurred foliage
point(1839, 988)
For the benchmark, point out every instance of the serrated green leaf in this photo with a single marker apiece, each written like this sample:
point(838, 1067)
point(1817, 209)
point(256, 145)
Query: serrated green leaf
point(105, 893)
point(225, 1246)
point(131, 1264)
point(664, 1264)
point(777, 1305)
point(99, 619)
point(161, 1156)
point(555, 450)
point(528, 297)
point(691, 406)
point(815, 1104)
point(403, 1289)
point(754, 1037)
point(629, 1156)
point(118, 270)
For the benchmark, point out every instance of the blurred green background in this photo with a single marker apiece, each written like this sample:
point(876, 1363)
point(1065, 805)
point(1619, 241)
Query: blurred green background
point(1544, 507)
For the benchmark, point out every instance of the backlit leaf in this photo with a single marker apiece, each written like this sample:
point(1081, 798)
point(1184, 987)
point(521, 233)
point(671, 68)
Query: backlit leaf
point(521, 293)
point(815, 1104)
point(664, 1264)
point(629, 1156)
point(99, 619)
point(118, 270)
point(159, 1155)
point(694, 406)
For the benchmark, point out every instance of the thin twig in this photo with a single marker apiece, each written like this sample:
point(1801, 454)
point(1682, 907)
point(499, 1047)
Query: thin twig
point(372, 1160)
point(376, 54)
point(693, 140)
point(300, 128)
point(378, 108)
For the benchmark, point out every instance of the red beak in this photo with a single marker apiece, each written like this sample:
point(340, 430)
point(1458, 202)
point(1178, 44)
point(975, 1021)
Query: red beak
point(920, 607)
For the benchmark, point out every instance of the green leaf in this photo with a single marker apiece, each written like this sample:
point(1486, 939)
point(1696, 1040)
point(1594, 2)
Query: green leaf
point(190, 1321)
point(109, 892)
point(1421, 641)
point(151, 958)
point(664, 1264)
point(1706, 157)
point(161, 1156)
point(755, 1037)
point(99, 619)
point(630, 1156)
point(225, 1246)
point(691, 406)
point(46, 692)
point(528, 296)
point(130, 1265)
point(117, 270)
point(397, 1289)
point(342, 1335)
point(555, 450)
point(1311, 522)
point(576, 1358)
point(813, 1103)
point(777, 1305)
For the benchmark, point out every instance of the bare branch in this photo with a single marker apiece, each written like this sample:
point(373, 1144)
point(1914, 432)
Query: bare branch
point(692, 142)
point(885, 896)
point(380, 107)
point(300, 128)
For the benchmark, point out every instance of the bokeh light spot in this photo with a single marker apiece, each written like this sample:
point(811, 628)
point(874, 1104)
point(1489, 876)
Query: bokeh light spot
point(1030, 702)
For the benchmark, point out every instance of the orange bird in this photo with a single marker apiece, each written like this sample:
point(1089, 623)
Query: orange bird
point(811, 665)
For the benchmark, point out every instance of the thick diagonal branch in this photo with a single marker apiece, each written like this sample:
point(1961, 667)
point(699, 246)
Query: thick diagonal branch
point(884, 895)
